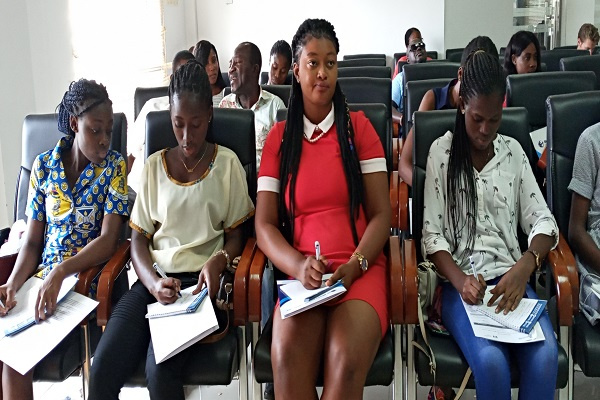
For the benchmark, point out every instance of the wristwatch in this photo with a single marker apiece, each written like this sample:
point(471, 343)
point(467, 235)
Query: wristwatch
point(536, 256)
point(363, 263)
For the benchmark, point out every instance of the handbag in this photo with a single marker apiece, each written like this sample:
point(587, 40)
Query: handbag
point(224, 303)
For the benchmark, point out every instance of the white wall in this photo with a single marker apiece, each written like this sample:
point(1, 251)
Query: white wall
point(575, 14)
point(466, 19)
point(17, 99)
point(375, 26)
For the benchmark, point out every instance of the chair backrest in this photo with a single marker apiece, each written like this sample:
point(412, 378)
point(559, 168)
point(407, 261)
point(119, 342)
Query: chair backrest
point(415, 91)
point(377, 114)
point(232, 128)
point(368, 90)
point(281, 91)
point(451, 53)
point(552, 57)
point(582, 63)
point(365, 71)
point(225, 76)
point(143, 94)
point(573, 46)
point(430, 125)
point(264, 78)
point(40, 133)
point(532, 90)
point(355, 56)
point(568, 116)
point(431, 54)
point(361, 62)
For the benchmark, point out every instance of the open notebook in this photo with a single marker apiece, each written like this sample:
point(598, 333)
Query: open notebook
point(294, 298)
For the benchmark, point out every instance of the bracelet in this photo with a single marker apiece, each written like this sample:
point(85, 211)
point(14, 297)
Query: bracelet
point(226, 254)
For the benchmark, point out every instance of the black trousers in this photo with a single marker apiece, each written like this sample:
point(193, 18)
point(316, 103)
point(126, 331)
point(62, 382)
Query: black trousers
point(126, 341)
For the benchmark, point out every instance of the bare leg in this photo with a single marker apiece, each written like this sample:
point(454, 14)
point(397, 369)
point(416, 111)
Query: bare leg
point(296, 352)
point(16, 386)
point(352, 339)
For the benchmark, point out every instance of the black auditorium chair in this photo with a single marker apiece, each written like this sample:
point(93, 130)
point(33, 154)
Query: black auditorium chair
point(429, 70)
point(214, 363)
point(40, 133)
point(552, 57)
point(450, 363)
point(365, 71)
point(572, 47)
point(355, 56)
point(415, 91)
point(568, 116)
point(264, 78)
point(361, 62)
point(386, 366)
point(582, 63)
point(532, 90)
point(143, 94)
point(225, 76)
point(454, 55)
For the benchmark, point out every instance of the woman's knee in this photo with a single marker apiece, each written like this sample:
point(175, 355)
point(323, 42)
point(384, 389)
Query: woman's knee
point(491, 364)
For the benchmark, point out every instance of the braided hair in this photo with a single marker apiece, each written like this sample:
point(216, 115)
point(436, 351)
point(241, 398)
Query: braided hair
point(202, 52)
point(82, 96)
point(291, 146)
point(191, 78)
point(482, 75)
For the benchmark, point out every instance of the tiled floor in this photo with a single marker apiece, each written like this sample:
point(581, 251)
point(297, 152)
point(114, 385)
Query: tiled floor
point(585, 388)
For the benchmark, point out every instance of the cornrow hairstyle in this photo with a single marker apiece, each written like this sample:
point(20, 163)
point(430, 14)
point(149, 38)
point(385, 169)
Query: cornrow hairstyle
point(283, 48)
point(291, 146)
point(482, 75)
point(202, 52)
point(516, 45)
point(409, 32)
point(479, 43)
point(83, 95)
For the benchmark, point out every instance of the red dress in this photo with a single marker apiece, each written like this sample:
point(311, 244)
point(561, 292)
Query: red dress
point(322, 206)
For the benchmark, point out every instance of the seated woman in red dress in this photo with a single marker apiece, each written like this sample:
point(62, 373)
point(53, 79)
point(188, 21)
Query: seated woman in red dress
point(336, 193)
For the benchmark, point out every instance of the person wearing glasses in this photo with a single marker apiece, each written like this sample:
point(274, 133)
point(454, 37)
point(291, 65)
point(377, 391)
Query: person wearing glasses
point(415, 54)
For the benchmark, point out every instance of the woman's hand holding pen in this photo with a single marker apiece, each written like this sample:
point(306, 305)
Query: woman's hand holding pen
point(210, 274)
point(472, 289)
point(311, 272)
point(165, 290)
point(512, 286)
point(7, 299)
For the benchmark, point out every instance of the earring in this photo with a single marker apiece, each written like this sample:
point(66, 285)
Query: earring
point(463, 111)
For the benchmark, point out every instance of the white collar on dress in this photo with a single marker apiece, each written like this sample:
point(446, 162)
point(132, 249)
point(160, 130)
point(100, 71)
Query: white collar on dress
point(309, 127)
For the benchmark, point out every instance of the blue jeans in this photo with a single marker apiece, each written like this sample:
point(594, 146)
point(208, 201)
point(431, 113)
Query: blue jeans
point(490, 361)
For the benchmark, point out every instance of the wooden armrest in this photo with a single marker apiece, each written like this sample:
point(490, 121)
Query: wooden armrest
point(542, 161)
point(240, 284)
point(403, 211)
point(257, 270)
point(395, 153)
point(394, 178)
point(410, 282)
point(564, 271)
point(106, 283)
point(395, 280)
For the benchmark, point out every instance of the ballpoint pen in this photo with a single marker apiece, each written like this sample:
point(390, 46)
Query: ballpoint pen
point(473, 266)
point(163, 275)
point(324, 291)
point(317, 250)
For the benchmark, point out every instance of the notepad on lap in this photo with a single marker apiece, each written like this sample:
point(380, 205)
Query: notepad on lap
point(522, 319)
point(176, 333)
point(188, 303)
point(293, 297)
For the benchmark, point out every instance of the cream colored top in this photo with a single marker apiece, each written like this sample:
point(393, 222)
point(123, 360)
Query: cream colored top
point(186, 222)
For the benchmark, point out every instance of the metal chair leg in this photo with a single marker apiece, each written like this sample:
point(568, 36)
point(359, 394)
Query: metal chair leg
point(243, 374)
point(566, 393)
point(256, 387)
point(411, 377)
point(85, 368)
point(397, 393)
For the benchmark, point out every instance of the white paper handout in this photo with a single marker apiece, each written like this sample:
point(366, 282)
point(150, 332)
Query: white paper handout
point(27, 348)
point(294, 298)
point(173, 334)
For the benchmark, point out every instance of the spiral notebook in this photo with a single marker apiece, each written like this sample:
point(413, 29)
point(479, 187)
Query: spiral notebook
point(522, 319)
point(188, 303)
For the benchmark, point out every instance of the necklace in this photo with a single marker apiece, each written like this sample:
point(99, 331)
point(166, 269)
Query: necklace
point(190, 170)
point(319, 136)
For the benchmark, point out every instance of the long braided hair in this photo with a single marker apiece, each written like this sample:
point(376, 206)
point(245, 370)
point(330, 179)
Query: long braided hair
point(482, 75)
point(82, 96)
point(202, 52)
point(291, 146)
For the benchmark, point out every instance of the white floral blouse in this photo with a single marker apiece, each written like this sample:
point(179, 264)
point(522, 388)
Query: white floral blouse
point(507, 195)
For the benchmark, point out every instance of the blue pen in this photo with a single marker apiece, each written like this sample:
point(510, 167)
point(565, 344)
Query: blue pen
point(163, 275)
point(473, 266)
point(324, 291)
point(197, 301)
